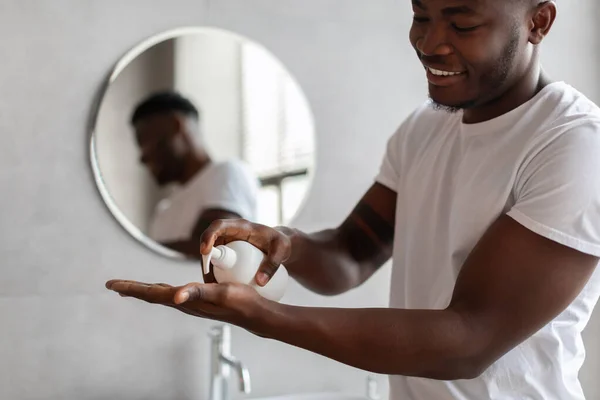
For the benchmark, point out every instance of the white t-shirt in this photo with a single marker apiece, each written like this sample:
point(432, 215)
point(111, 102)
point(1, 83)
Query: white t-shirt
point(227, 185)
point(540, 164)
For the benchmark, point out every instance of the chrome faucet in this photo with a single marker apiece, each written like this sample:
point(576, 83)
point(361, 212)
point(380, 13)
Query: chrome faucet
point(372, 388)
point(221, 364)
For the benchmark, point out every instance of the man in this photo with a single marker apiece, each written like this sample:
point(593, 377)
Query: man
point(488, 201)
point(167, 132)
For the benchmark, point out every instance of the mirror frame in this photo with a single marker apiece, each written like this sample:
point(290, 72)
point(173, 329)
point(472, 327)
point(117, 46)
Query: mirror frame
point(124, 61)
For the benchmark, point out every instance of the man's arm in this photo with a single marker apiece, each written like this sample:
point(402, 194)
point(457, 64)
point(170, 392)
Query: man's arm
point(334, 261)
point(191, 246)
point(513, 283)
point(328, 262)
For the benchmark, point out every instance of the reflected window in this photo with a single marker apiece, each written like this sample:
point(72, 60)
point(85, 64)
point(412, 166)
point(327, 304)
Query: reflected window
point(276, 133)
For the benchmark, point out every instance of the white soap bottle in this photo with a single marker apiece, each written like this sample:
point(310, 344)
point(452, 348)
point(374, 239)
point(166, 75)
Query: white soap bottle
point(238, 262)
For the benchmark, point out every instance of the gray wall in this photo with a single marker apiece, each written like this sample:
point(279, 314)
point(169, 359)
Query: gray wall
point(62, 335)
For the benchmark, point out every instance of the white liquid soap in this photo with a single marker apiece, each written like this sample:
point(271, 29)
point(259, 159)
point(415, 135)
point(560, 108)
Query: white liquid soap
point(238, 262)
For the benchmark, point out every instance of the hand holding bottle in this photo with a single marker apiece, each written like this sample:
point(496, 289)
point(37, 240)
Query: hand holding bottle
point(275, 245)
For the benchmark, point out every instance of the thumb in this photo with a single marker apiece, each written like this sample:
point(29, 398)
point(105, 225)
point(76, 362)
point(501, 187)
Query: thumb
point(278, 252)
point(266, 270)
point(195, 292)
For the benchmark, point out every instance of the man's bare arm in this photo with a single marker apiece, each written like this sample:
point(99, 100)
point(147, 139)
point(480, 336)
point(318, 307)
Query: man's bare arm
point(513, 283)
point(328, 262)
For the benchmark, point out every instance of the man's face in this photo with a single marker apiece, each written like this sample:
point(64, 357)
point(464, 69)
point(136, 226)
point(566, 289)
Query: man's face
point(161, 146)
point(470, 48)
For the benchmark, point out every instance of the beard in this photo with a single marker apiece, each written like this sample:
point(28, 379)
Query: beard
point(491, 81)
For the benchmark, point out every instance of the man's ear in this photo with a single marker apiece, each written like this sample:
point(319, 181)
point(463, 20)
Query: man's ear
point(181, 130)
point(178, 123)
point(541, 22)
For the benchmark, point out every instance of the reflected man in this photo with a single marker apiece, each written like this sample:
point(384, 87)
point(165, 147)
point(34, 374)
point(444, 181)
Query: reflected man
point(167, 131)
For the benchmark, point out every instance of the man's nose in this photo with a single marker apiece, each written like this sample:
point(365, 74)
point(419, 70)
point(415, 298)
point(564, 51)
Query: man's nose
point(434, 41)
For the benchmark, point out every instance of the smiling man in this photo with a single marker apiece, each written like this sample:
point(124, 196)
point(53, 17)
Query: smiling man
point(488, 202)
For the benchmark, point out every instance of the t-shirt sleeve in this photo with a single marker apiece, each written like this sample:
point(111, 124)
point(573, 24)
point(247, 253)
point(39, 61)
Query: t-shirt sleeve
point(391, 166)
point(235, 189)
point(557, 194)
point(389, 169)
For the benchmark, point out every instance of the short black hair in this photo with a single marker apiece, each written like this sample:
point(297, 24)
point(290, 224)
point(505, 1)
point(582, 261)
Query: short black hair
point(162, 102)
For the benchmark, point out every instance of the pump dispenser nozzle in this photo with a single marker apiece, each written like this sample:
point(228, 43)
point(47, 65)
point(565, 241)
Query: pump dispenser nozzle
point(206, 259)
point(222, 257)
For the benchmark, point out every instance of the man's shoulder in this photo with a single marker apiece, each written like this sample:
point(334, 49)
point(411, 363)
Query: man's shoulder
point(232, 166)
point(567, 107)
point(232, 170)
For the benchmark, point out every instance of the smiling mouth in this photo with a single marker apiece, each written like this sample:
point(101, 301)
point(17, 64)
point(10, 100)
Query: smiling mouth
point(438, 72)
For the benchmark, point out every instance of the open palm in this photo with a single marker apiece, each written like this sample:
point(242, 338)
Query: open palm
point(232, 303)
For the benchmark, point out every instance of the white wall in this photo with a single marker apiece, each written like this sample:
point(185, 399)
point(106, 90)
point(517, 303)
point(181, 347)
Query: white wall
point(62, 335)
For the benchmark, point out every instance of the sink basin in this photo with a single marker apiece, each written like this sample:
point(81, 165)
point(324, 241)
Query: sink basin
point(315, 396)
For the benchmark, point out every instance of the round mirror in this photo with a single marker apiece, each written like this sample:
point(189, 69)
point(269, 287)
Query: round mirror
point(199, 124)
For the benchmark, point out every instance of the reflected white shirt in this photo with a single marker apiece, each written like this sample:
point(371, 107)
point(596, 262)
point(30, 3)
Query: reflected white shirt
point(228, 185)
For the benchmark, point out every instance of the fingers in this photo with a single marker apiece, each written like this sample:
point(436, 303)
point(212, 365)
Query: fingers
point(113, 281)
point(196, 299)
point(166, 294)
point(278, 252)
point(231, 303)
point(214, 231)
point(227, 230)
point(152, 293)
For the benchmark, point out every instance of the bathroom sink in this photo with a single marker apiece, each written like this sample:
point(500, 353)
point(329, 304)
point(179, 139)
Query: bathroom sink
point(314, 396)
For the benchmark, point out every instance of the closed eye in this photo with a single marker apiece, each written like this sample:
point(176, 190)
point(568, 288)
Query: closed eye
point(464, 29)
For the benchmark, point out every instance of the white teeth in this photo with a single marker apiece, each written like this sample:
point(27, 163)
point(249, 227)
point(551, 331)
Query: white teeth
point(442, 73)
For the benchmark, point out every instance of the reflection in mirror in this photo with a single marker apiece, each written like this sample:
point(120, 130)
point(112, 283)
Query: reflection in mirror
point(197, 125)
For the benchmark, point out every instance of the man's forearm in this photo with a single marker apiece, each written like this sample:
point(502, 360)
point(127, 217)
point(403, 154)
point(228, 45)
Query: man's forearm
point(430, 344)
point(337, 260)
point(319, 263)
